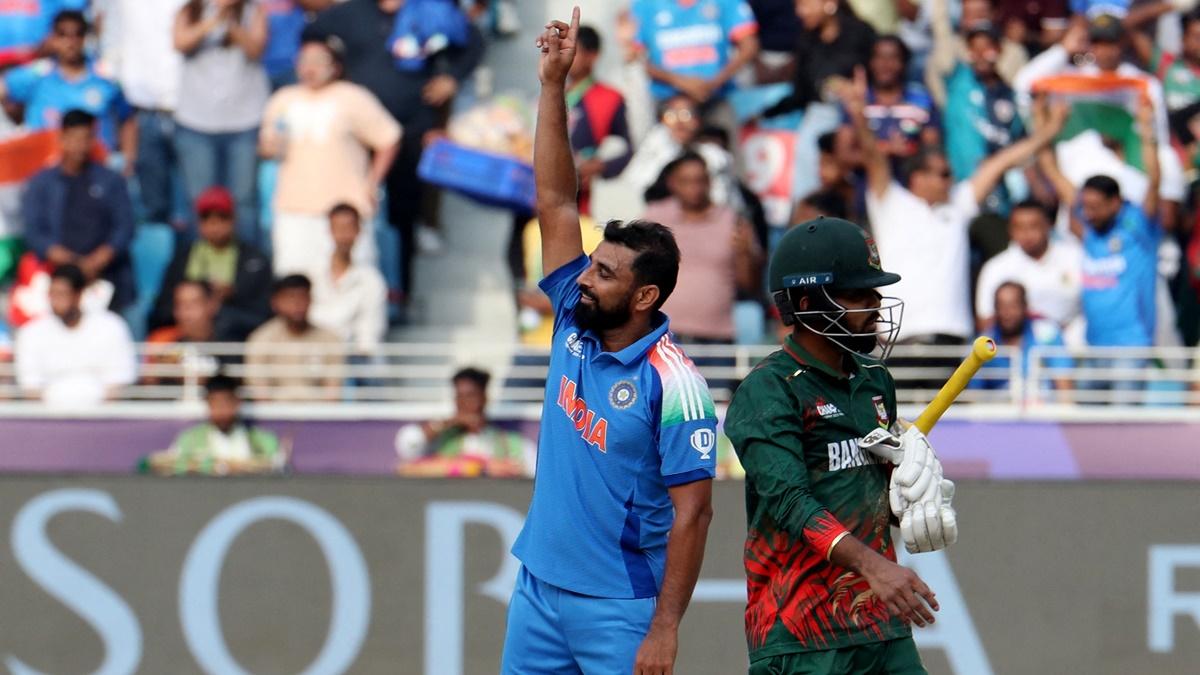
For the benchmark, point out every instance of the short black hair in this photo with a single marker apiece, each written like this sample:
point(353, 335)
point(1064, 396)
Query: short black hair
point(221, 383)
point(71, 16)
point(479, 378)
point(657, 260)
point(589, 40)
point(1105, 185)
point(75, 118)
point(920, 161)
point(827, 142)
point(1033, 205)
point(344, 208)
point(1020, 288)
point(905, 52)
point(332, 43)
point(714, 133)
point(826, 203)
point(72, 275)
point(203, 284)
point(292, 282)
point(658, 190)
point(1189, 18)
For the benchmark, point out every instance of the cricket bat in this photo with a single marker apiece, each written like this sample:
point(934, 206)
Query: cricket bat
point(982, 351)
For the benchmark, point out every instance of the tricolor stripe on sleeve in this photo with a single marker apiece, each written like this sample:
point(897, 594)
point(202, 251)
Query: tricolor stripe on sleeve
point(685, 393)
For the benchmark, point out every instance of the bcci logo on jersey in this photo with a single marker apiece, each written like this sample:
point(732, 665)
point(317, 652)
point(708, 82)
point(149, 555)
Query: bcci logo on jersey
point(622, 395)
point(703, 442)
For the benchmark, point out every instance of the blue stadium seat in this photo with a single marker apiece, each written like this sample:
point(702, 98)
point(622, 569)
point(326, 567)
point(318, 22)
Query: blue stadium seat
point(151, 251)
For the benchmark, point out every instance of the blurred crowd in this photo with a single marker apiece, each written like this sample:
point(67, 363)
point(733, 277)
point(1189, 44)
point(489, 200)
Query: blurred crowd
point(199, 171)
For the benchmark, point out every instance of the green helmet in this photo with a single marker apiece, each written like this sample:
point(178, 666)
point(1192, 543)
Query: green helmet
point(828, 252)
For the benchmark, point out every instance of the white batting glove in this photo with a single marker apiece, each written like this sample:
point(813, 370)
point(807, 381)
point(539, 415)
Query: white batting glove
point(917, 471)
point(931, 525)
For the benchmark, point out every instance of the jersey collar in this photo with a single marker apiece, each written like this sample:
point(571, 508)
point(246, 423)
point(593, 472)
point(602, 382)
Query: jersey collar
point(638, 349)
point(805, 358)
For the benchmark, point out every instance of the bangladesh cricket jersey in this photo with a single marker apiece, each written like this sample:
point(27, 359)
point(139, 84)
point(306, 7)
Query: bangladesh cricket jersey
point(795, 424)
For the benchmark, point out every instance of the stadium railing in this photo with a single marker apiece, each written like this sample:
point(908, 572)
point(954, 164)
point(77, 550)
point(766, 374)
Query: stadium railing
point(412, 379)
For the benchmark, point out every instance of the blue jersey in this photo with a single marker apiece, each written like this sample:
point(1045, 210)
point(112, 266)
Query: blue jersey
point(24, 24)
point(691, 37)
point(1094, 8)
point(285, 24)
point(913, 114)
point(48, 95)
point(1120, 270)
point(617, 430)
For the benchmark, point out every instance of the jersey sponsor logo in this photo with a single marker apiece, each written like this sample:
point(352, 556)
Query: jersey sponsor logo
point(826, 409)
point(881, 413)
point(708, 35)
point(703, 441)
point(847, 455)
point(591, 427)
point(574, 345)
point(622, 395)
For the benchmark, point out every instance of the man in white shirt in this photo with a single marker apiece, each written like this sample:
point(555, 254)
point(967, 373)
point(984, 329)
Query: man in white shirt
point(349, 298)
point(71, 358)
point(922, 227)
point(1048, 269)
point(137, 49)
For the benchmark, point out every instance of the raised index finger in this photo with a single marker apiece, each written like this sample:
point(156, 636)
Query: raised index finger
point(574, 29)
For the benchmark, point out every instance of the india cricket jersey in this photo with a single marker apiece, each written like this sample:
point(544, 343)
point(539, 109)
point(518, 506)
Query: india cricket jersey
point(795, 424)
point(618, 429)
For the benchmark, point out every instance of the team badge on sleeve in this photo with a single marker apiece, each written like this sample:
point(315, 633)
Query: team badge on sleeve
point(881, 413)
point(622, 395)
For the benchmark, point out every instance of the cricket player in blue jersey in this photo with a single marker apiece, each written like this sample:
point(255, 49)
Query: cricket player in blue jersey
point(615, 535)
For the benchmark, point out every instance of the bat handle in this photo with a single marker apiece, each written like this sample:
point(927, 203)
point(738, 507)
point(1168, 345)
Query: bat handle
point(982, 351)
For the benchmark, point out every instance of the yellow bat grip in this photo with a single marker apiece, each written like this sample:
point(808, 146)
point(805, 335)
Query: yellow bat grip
point(982, 351)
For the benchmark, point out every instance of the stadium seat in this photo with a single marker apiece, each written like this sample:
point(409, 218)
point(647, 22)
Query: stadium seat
point(151, 251)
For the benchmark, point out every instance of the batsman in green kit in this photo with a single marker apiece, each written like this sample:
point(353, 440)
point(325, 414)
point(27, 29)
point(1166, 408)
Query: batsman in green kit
point(815, 428)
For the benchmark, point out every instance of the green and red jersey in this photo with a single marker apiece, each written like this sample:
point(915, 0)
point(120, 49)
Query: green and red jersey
point(795, 424)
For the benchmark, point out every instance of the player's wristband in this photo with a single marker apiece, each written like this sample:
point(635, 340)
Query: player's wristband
point(829, 551)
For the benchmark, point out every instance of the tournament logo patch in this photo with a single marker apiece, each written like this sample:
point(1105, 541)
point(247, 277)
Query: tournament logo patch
point(881, 413)
point(703, 442)
point(622, 395)
point(574, 345)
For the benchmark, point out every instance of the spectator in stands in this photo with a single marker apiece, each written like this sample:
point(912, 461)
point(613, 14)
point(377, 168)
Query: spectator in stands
point(678, 130)
point(598, 116)
point(71, 358)
point(719, 253)
point(901, 114)
point(79, 212)
point(226, 444)
point(1179, 73)
point(817, 204)
point(922, 226)
point(194, 308)
point(335, 143)
point(141, 52)
point(349, 298)
point(25, 27)
point(980, 116)
point(286, 20)
point(288, 358)
point(688, 46)
point(1120, 249)
point(1016, 327)
point(466, 443)
point(238, 272)
point(222, 92)
point(1047, 269)
point(412, 97)
point(1036, 23)
point(195, 313)
point(69, 81)
point(951, 48)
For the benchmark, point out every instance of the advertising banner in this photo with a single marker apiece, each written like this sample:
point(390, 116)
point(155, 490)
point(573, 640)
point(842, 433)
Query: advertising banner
point(365, 575)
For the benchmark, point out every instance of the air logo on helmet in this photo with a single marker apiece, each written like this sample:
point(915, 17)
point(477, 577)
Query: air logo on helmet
point(816, 279)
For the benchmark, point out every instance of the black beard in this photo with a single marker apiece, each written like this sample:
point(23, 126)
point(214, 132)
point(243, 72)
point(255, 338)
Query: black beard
point(597, 319)
point(863, 344)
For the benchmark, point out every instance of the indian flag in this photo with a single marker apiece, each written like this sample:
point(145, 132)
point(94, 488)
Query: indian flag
point(1105, 103)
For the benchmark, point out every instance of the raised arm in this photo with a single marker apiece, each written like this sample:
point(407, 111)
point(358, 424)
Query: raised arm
point(989, 174)
point(854, 98)
point(1145, 129)
point(553, 161)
